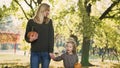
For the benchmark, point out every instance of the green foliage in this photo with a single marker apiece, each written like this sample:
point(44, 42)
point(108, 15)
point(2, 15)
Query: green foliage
point(107, 35)
point(115, 13)
point(6, 11)
point(65, 17)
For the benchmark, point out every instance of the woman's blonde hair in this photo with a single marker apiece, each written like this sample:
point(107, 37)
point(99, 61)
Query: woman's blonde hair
point(72, 41)
point(39, 16)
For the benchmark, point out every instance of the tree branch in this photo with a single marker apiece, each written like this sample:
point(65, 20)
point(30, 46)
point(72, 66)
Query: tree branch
point(31, 2)
point(39, 1)
point(108, 9)
point(26, 2)
point(30, 5)
point(35, 3)
point(21, 8)
point(109, 16)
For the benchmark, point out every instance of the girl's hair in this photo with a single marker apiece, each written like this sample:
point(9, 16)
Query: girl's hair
point(72, 41)
point(39, 16)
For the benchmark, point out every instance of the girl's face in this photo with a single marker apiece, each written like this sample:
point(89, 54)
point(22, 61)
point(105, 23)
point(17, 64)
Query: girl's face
point(46, 13)
point(69, 48)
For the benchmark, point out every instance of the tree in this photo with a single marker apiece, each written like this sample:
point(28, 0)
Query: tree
point(89, 27)
point(87, 31)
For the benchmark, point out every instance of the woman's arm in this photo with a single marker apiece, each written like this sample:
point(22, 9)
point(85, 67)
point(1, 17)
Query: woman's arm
point(28, 29)
point(51, 37)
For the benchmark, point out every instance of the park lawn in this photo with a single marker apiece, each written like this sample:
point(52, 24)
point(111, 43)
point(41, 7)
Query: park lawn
point(21, 61)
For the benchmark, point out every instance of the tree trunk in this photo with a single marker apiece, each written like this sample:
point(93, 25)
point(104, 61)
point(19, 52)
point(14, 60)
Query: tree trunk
point(87, 32)
point(85, 52)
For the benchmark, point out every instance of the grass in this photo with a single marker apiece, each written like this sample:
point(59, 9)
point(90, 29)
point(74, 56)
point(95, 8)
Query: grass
point(20, 61)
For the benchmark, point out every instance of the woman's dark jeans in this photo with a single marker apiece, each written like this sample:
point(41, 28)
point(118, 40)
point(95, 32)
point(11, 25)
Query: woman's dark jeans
point(37, 58)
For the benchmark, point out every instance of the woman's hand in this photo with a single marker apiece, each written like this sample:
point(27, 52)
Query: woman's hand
point(32, 36)
point(31, 39)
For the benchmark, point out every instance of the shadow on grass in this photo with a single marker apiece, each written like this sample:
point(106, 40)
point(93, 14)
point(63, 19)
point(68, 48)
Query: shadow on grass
point(28, 66)
point(116, 65)
point(14, 66)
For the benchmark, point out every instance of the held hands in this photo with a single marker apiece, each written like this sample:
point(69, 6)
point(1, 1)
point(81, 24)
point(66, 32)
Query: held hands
point(52, 56)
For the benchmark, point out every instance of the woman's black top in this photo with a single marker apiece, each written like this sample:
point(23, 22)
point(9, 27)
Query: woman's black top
point(45, 41)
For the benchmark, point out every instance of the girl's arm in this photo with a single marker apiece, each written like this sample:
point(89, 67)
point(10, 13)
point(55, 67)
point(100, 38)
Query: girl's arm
point(59, 58)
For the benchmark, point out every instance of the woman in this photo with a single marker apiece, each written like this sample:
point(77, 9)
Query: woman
point(42, 44)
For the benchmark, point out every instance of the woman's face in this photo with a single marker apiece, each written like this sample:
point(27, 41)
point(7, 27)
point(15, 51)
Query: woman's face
point(46, 13)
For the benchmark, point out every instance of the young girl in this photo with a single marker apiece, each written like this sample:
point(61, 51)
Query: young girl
point(70, 57)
